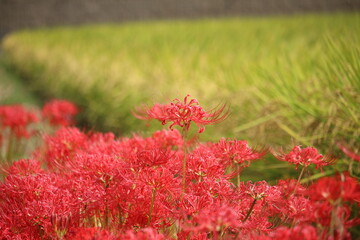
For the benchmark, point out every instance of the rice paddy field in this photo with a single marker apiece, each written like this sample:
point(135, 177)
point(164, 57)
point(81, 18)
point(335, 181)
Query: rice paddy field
point(286, 78)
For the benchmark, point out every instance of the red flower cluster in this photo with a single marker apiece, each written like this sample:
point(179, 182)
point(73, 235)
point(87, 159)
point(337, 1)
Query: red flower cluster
point(182, 113)
point(305, 157)
point(59, 112)
point(17, 124)
point(330, 189)
point(301, 232)
point(17, 119)
point(95, 186)
point(235, 151)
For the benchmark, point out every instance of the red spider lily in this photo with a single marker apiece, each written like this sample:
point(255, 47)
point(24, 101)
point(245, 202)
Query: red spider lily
point(288, 187)
point(341, 186)
point(182, 113)
point(17, 119)
point(258, 223)
point(90, 234)
point(298, 208)
point(152, 157)
point(261, 190)
point(332, 198)
point(349, 152)
point(235, 151)
point(215, 219)
point(324, 213)
point(59, 112)
point(158, 178)
point(168, 139)
point(24, 167)
point(196, 236)
point(258, 200)
point(217, 189)
point(95, 186)
point(299, 232)
point(61, 147)
point(202, 164)
point(193, 203)
point(35, 204)
point(143, 234)
point(305, 157)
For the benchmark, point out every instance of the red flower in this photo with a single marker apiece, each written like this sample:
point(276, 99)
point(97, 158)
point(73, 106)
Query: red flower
point(305, 157)
point(61, 147)
point(182, 113)
point(158, 178)
point(300, 232)
point(38, 205)
point(288, 187)
point(17, 119)
point(234, 151)
point(24, 167)
point(59, 112)
point(215, 217)
point(349, 152)
point(332, 188)
point(90, 233)
point(152, 157)
point(143, 234)
point(166, 138)
point(260, 190)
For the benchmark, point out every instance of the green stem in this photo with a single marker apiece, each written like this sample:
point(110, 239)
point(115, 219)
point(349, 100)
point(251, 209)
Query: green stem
point(332, 222)
point(250, 210)
point(299, 178)
point(238, 175)
point(9, 149)
point(214, 235)
point(121, 221)
point(184, 166)
point(350, 169)
point(318, 175)
point(106, 215)
point(184, 162)
point(153, 196)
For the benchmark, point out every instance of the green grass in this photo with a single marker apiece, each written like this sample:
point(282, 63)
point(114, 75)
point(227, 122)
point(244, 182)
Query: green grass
point(13, 90)
point(291, 78)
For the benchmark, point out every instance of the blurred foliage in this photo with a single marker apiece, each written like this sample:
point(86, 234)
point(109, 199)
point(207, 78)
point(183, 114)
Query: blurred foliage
point(12, 89)
point(289, 79)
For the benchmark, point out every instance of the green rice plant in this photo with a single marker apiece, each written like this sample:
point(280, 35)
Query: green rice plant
point(12, 89)
point(280, 74)
point(323, 108)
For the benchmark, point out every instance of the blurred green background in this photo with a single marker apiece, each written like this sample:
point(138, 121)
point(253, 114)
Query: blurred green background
point(287, 79)
point(291, 77)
